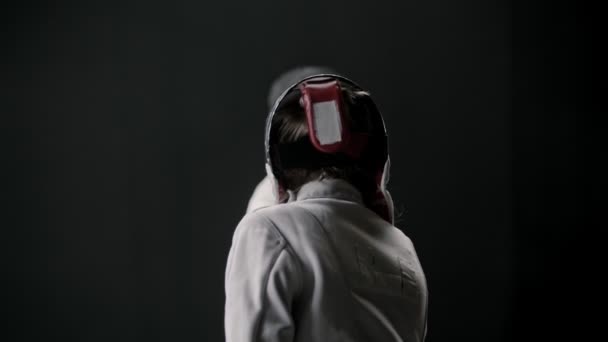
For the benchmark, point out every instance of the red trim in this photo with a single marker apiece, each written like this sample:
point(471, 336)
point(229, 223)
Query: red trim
point(322, 92)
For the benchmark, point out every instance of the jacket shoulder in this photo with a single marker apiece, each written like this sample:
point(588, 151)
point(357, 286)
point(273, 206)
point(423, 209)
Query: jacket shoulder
point(284, 217)
point(257, 223)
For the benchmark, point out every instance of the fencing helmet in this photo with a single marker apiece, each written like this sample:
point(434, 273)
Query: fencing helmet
point(345, 129)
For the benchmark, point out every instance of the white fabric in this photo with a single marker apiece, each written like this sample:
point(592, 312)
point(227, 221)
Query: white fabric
point(323, 267)
point(264, 195)
point(386, 172)
point(328, 127)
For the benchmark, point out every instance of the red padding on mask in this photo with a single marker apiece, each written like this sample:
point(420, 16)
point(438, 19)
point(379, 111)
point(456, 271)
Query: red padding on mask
point(315, 97)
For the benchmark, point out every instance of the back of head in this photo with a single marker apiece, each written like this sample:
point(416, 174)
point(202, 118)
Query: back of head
point(326, 126)
point(306, 164)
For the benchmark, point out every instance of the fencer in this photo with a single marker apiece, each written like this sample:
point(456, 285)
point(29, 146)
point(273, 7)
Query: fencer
point(322, 261)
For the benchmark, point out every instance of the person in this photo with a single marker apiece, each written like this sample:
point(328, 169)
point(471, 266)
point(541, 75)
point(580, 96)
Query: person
point(325, 262)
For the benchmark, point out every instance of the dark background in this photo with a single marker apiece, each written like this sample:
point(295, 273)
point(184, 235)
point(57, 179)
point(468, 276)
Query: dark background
point(133, 138)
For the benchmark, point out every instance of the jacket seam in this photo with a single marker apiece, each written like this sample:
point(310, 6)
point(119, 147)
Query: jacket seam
point(265, 305)
point(258, 323)
point(290, 250)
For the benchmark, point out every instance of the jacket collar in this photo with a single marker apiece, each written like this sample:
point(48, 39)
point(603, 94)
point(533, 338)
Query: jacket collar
point(327, 188)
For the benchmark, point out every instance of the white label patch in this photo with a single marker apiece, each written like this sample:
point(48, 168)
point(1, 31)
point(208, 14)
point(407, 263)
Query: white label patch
point(328, 127)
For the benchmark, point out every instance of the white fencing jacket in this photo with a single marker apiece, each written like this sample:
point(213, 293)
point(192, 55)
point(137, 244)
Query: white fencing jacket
point(323, 267)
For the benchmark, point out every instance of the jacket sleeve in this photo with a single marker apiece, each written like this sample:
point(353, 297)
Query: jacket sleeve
point(262, 281)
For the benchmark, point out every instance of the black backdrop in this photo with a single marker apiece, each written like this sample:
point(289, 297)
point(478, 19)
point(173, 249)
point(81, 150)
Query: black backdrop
point(134, 136)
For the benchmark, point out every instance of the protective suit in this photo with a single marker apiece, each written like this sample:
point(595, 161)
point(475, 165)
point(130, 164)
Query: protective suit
point(325, 263)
